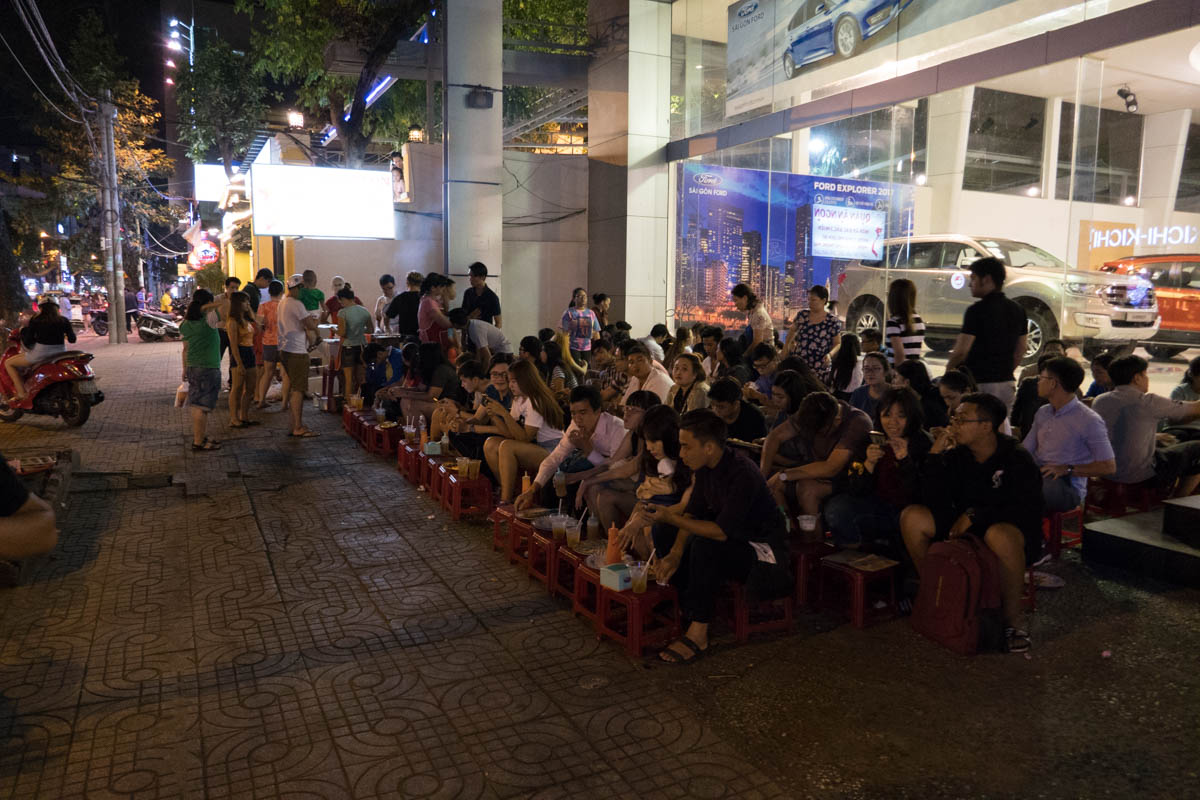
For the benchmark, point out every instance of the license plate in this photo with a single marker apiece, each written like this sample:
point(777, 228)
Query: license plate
point(1140, 316)
point(87, 387)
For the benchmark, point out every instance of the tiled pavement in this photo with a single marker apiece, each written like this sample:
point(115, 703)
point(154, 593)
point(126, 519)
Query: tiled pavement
point(289, 619)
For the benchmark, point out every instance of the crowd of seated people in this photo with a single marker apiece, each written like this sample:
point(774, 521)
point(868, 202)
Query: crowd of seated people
point(705, 446)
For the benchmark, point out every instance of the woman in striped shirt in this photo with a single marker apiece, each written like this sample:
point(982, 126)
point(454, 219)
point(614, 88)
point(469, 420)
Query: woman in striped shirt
point(904, 334)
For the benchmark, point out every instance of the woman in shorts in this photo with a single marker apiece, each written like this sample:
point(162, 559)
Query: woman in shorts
point(201, 364)
point(268, 317)
point(239, 327)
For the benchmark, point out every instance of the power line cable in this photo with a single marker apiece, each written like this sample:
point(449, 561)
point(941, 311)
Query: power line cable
point(62, 113)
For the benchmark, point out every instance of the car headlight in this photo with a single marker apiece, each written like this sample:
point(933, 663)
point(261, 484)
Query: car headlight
point(1081, 289)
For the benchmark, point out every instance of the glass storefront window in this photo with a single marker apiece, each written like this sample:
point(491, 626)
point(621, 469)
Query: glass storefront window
point(888, 144)
point(1004, 145)
point(1188, 195)
point(1108, 162)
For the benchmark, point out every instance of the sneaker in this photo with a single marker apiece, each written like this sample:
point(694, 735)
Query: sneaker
point(1016, 640)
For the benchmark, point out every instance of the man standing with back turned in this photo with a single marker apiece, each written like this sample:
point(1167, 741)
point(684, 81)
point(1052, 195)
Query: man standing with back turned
point(992, 341)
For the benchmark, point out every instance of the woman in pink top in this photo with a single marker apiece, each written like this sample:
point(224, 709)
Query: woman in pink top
point(268, 319)
point(436, 293)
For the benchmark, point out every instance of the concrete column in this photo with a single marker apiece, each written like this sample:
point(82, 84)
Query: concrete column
point(1164, 139)
point(472, 207)
point(1052, 127)
point(949, 125)
point(628, 128)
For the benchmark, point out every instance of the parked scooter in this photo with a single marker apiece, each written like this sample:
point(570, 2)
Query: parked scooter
point(63, 386)
point(154, 326)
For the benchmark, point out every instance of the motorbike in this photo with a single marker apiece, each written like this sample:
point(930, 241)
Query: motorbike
point(62, 386)
point(151, 326)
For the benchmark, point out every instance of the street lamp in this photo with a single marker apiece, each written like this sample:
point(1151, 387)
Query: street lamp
point(295, 119)
point(416, 134)
point(174, 42)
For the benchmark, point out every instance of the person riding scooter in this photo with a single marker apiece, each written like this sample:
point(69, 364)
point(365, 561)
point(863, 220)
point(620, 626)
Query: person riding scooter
point(43, 337)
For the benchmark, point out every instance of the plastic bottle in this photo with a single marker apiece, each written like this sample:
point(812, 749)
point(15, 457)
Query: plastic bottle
point(526, 483)
point(593, 528)
point(423, 431)
point(612, 553)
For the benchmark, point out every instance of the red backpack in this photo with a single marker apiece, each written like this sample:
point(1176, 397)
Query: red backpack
point(958, 603)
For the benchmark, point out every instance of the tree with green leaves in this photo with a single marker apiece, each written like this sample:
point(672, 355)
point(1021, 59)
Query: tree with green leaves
point(223, 102)
point(291, 38)
point(13, 299)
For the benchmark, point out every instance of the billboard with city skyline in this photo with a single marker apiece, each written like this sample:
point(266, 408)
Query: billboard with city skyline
point(777, 232)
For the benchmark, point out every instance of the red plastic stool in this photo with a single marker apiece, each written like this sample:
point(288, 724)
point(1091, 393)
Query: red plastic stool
point(517, 549)
point(542, 558)
point(467, 495)
point(587, 594)
point(806, 566)
point(858, 581)
point(348, 420)
point(1053, 528)
point(635, 621)
point(1113, 499)
point(385, 440)
point(410, 463)
point(780, 620)
point(1029, 593)
point(427, 469)
point(366, 432)
point(437, 479)
point(500, 518)
point(566, 562)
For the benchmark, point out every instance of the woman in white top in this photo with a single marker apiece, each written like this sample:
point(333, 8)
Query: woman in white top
point(904, 334)
point(531, 429)
point(757, 318)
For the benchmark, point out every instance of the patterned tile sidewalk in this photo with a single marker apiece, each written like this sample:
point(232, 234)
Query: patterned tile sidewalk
point(289, 619)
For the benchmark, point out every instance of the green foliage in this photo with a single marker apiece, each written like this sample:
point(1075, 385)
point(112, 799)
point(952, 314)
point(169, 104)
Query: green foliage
point(212, 277)
point(13, 299)
point(291, 39)
point(223, 101)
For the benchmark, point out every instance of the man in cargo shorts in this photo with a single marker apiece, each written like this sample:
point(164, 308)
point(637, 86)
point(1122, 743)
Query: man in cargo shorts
point(979, 481)
point(294, 323)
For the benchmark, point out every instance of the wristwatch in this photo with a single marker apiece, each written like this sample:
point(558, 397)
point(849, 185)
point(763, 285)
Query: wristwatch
point(1070, 470)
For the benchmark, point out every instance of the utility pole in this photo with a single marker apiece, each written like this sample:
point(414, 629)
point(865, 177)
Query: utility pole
point(110, 223)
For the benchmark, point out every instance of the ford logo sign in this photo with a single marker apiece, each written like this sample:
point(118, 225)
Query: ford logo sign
point(707, 179)
point(748, 9)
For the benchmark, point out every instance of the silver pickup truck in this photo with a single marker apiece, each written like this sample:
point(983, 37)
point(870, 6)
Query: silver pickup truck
point(1095, 310)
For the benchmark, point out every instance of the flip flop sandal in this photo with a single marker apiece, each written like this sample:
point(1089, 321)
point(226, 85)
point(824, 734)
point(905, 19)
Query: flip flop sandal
point(206, 446)
point(251, 422)
point(669, 656)
point(239, 425)
point(305, 435)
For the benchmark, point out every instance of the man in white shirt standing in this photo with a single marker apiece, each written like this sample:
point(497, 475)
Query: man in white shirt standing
point(590, 441)
point(384, 324)
point(294, 323)
point(642, 372)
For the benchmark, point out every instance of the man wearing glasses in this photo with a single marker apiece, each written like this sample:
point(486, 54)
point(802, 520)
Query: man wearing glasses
point(979, 481)
point(1067, 439)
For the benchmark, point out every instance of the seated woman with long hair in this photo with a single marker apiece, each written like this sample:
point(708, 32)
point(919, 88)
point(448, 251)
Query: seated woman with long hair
point(433, 377)
point(662, 479)
point(682, 343)
point(845, 372)
point(913, 374)
point(789, 390)
point(953, 384)
point(609, 490)
point(731, 361)
point(867, 512)
point(805, 455)
point(690, 388)
point(531, 428)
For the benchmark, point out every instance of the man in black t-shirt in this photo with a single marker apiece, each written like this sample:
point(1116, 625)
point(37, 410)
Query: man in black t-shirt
point(977, 480)
point(26, 521)
point(404, 305)
point(480, 302)
point(729, 529)
point(992, 341)
point(743, 421)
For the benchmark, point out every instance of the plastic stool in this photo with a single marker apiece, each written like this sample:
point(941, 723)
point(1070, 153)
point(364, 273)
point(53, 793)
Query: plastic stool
point(517, 549)
point(384, 440)
point(409, 462)
point(1113, 499)
point(806, 566)
point(743, 627)
point(1053, 526)
point(466, 495)
point(437, 479)
point(366, 433)
point(500, 518)
point(542, 558)
point(858, 581)
point(587, 594)
point(633, 620)
point(428, 466)
point(567, 561)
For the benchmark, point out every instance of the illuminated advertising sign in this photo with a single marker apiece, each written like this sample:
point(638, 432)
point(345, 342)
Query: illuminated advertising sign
point(322, 202)
point(777, 233)
point(203, 254)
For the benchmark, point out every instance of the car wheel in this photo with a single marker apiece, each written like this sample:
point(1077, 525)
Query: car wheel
point(1163, 352)
point(1041, 328)
point(846, 37)
point(789, 66)
point(939, 345)
point(865, 313)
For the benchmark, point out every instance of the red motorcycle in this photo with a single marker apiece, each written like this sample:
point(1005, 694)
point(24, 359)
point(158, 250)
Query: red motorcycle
point(62, 386)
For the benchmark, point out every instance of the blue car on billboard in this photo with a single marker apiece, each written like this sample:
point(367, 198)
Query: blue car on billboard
point(822, 28)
